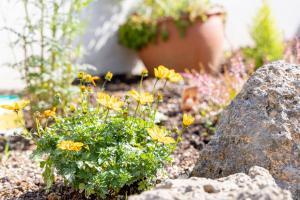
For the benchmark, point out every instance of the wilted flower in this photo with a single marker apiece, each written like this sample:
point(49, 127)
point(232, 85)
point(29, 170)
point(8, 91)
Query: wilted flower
point(70, 145)
point(109, 102)
point(141, 97)
point(17, 106)
point(161, 72)
point(187, 120)
point(108, 76)
point(157, 134)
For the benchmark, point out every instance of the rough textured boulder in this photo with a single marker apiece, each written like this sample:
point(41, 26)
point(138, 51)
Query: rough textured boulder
point(257, 185)
point(260, 127)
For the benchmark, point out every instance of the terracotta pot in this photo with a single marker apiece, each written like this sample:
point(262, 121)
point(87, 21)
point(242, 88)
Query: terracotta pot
point(201, 47)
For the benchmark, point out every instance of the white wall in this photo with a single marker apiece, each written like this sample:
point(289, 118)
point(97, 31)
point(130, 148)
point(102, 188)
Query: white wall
point(104, 16)
point(101, 39)
point(241, 14)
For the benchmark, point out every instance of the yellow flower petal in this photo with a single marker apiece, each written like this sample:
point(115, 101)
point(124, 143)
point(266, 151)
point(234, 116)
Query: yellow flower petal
point(16, 106)
point(161, 72)
point(174, 77)
point(49, 113)
point(187, 120)
point(109, 102)
point(142, 97)
point(70, 145)
point(157, 134)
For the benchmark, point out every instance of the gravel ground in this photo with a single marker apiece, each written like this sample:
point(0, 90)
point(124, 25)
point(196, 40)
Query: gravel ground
point(20, 176)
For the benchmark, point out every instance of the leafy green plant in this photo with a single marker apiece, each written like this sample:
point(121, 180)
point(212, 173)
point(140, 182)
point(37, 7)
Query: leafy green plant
point(102, 148)
point(143, 26)
point(268, 40)
point(50, 55)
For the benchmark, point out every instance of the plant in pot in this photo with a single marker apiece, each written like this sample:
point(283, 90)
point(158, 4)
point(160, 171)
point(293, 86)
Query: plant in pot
point(182, 34)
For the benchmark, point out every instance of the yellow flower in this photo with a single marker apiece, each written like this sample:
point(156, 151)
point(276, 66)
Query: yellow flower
point(187, 120)
point(108, 76)
point(142, 97)
point(174, 77)
point(87, 78)
point(161, 72)
point(90, 89)
point(17, 106)
point(70, 145)
point(109, 102)
point(82, 88)
point(92, 79)
point(157, 134)
point(72, 107)
point(49, 113)
point(80, 75)
point(160, 97)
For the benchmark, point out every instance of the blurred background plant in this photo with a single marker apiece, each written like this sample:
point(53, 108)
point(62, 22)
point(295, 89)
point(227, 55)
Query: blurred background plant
point(50, 53)
point(142, 27)
point(209, 95)
point(268, 40)
point(292, 51)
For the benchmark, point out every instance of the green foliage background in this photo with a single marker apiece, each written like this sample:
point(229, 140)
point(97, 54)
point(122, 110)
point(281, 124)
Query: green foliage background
point(47, 39)
point(268, 39)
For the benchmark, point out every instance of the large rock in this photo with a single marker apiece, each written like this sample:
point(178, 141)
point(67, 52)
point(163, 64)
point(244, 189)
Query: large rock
point(260, 127)
point(257, 185)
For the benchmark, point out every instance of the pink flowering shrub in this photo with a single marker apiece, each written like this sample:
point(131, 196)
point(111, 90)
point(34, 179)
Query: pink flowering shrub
point(292, 51)
point(214, 93)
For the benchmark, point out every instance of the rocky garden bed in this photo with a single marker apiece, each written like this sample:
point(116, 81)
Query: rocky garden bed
point(259, 128)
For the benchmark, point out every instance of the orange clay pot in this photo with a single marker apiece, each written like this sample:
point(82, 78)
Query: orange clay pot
point(200, 48)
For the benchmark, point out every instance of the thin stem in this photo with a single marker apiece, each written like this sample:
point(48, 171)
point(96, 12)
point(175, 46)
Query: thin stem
point(107, 112)
point(54, 30)
point(180, 134)
point(103, 85)
point(155, 110)
point(153, 90)
point(141, 82)
point(165, 84)
point(42, 35)
point(136, 110)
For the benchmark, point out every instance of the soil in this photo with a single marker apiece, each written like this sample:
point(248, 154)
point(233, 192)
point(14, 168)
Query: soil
point(20, 175)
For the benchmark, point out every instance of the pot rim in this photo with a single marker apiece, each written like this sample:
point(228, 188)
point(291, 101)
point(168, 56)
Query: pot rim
point(216, 10)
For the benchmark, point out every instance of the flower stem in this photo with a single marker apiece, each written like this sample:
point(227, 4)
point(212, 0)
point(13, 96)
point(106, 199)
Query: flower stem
point(153, 90)
point(179, 138)
point(136, 110)
point(103, 86)
point(141, 82)
point(107, 112)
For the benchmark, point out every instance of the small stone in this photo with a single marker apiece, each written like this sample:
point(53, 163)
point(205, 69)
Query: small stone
point(209, 189)
point(53, 196)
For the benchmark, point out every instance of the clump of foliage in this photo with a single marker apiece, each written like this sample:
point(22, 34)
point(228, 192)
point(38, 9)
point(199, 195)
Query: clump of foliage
point(99, 149)
point(46, 38)
point(268, 40)
point(143, 27)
